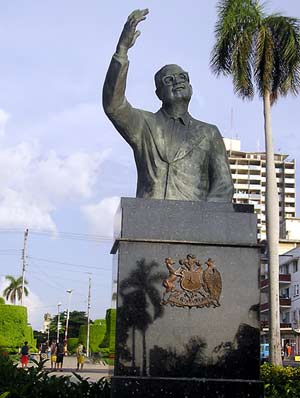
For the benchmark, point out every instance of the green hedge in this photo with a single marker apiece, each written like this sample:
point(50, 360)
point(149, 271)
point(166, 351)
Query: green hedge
point(97, 333)
point(14, 329)
point(72, 344)
point(110, 335)
point(2, 301)
point(280, 382)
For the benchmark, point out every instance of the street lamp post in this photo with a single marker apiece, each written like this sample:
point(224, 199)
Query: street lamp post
point(58, 321)
point(69, 291)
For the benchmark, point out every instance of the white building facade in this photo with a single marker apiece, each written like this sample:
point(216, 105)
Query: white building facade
point(248, 171)
point(249, 177)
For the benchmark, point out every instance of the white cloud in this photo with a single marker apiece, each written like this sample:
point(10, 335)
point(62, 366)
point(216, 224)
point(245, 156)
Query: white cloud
point(33, 184)
point(4, 116)
point(34, 305)
point(100, 216)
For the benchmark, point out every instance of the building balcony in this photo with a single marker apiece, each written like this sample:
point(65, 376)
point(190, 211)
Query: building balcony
point(289, 190)
point(283, 325)
point(240, 195)
point(284, 303)
point(289, 209)
point(284, 279)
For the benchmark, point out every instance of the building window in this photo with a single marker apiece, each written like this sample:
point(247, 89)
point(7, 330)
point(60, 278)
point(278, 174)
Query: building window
point(284, 293)
point(295, 266)
point(286, 317)
point(294, 316)
point(296, 290)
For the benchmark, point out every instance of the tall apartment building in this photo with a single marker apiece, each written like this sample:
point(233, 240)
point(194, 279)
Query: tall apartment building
point(248, 171)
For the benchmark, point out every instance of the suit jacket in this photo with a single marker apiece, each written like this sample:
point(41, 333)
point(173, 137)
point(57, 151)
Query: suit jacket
point(194, 168)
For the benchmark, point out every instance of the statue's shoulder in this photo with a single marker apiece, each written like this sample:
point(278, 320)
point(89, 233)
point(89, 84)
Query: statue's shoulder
point(210, 128)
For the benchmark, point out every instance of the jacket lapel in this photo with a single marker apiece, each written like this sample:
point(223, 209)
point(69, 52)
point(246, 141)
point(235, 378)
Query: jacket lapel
point(195, 134)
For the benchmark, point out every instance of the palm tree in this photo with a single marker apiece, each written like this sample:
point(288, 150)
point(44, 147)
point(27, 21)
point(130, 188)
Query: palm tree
point(262, 50)
point(13, 292)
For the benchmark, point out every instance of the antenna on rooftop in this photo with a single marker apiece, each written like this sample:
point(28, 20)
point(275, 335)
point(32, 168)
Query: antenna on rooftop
point(236, 136)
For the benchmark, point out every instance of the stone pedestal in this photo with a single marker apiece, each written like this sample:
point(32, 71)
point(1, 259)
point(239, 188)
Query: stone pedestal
point(187, 301)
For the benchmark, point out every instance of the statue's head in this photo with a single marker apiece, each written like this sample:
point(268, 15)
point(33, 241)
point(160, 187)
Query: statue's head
point(173, 84)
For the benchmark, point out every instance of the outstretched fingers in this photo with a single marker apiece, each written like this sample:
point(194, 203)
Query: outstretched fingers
point(137, 16)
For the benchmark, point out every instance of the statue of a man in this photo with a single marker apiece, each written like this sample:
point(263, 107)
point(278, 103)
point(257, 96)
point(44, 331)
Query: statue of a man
point(177, 156)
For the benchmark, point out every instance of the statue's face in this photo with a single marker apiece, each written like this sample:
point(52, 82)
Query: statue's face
point(174, 85)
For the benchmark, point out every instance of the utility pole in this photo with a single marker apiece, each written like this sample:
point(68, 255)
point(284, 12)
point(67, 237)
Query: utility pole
point(68, 316)
point(24, 263)
point(58, 321)
point(88, 321)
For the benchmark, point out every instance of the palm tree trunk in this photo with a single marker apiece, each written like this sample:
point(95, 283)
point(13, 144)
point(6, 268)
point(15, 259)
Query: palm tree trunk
point(272, 221)
point(144, 366)
point(133, 347)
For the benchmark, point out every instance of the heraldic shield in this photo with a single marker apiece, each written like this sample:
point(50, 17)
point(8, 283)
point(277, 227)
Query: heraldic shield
point(190, 285)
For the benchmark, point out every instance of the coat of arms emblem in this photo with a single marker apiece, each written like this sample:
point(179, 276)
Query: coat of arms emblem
point(190, 285)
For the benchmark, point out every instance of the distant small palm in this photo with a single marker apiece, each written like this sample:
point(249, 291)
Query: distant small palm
point(13, 292)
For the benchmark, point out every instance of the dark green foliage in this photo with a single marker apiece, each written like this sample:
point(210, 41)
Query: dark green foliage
point(2, 301)
point(76, 319)
point(280, 382)
point(72, 344)
point(97, 333)
point(110, 335)
point(37, 383)
point(14, 329)
point(257, 48)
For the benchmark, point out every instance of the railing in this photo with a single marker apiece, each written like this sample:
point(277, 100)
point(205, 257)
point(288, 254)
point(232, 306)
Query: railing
point(284, 302)
point(283, 325)
point(283, 278)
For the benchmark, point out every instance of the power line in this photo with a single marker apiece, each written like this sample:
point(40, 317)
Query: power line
point(66, 263)
point(62, 234)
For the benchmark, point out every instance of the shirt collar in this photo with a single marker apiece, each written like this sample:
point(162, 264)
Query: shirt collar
point(184, 119)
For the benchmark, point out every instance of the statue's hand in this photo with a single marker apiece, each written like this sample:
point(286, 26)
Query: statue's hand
point(129, 33)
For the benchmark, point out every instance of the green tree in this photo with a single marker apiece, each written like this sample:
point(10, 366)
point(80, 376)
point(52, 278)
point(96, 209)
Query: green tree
point(76, 319)
point(263, 51)
point(13, 292)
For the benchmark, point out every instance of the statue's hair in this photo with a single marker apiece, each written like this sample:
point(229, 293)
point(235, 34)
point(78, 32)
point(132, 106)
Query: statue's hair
point(160, 73)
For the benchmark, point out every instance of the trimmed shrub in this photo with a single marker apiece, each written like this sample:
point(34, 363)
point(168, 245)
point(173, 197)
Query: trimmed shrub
point(72, 344)
point(2, 301)
point(280, 382)
point(14, 329)
point(97, 333)
point(110, 335)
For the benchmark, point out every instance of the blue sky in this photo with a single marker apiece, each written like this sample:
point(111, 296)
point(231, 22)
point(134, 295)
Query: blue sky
point(62, 164)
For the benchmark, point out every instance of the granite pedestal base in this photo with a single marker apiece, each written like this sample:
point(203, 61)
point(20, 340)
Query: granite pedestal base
point(163, 387)
point(187, 300)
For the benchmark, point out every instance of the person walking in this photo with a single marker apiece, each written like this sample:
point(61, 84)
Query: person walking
point(53, 354)
point(24, 355)
point(80, 356)
point(288, 350)
point(60, 353)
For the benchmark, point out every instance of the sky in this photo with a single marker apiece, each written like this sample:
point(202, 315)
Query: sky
point(63, 167)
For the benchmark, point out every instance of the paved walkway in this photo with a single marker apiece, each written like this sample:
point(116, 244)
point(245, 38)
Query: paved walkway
point(93, 371)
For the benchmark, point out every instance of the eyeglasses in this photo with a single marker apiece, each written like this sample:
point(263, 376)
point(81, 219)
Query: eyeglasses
point(169, 80)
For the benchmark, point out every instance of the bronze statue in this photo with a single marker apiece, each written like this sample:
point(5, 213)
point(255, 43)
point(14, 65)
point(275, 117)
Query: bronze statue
point(177, 156)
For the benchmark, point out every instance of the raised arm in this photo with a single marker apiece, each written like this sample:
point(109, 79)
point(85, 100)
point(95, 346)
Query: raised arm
point(126, 119)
